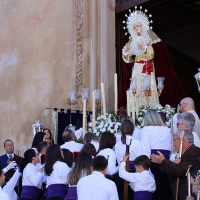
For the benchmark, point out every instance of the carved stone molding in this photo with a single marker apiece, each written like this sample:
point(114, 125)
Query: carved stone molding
point(78, 23)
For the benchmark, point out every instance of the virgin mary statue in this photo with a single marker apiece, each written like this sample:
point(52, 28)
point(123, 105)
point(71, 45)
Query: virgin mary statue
point(149, 57)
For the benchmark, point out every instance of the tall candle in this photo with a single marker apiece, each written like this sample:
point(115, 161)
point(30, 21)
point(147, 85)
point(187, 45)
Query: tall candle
point(139, 87)
point(128, 103)
point(137, 107)
point(84, 116)
point(103, 99)
point(93, 110)
point(189, 184)
point(133, 106)
point(116, 92)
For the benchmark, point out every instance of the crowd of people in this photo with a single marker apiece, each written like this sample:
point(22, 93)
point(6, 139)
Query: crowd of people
point(99, 168)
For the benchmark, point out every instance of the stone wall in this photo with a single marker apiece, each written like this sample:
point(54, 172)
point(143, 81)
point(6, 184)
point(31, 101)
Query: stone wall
point(48, 48)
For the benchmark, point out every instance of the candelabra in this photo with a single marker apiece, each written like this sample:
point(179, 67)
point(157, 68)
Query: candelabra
point(79, 104)
point(146, 90)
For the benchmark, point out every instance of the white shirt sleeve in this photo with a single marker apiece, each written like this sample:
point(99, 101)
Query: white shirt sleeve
point(34, 178)
point(112, 168)
point(146, 142)
point(9, 187)
point(130, 177)
point(64, 172)
point(114, 193)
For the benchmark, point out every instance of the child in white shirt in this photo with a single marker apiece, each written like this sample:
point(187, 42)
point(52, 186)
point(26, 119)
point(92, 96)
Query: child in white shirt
point(142, 182)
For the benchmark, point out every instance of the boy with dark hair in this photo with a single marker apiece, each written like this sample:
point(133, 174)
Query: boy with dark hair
point(96, 186)
point(142, 182)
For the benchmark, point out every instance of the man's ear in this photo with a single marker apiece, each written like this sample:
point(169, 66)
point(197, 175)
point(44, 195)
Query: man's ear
point(105, 170)
point(185, 125)
point(92, 169)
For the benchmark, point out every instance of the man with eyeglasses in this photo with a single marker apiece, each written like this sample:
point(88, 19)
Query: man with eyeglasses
point(190, 156)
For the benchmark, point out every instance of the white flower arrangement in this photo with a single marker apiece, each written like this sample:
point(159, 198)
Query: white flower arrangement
point(110, 123)
point(167, 109)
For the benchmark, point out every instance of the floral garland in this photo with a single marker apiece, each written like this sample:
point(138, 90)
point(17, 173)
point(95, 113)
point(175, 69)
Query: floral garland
point(167, 109)
point(110, 123)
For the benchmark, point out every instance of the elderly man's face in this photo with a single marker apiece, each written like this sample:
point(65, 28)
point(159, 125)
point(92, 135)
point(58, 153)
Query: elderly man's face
point(177, 142)
point(181, 126)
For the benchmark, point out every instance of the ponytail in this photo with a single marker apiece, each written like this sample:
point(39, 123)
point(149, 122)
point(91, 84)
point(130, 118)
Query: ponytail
point(127, 128)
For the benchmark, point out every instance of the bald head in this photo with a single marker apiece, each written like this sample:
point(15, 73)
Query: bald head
point(186, 104)
point(68, 135)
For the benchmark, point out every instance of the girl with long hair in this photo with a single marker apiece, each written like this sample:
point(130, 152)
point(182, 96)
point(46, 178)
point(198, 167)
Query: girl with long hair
point(106, 144)
point(135, 150)
point(81, 168)
point(39, 137)
point(57, 172)
point(32, 177)
point(48, 136)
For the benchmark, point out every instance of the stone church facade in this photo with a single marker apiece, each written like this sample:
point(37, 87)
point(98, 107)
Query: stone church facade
point(48, 48)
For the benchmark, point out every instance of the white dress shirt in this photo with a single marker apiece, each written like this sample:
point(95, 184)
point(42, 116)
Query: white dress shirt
point(136, 135)
point(110, 155)
point(31, 176)
point(96, 186)
point(143, 181)
point(135, 149)
point(13, 155)
point(4, 195)
point(196, 140)
point(96, 144)
point(59, 174)
point(175, 129)
point(10, 185)
point(196, 128)
point(155, 137)
point(72, 146)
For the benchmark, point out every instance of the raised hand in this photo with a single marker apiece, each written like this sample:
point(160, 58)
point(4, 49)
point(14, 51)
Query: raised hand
point(11, 165)
point(177, 160)
point(125, 158)
point(128, 47)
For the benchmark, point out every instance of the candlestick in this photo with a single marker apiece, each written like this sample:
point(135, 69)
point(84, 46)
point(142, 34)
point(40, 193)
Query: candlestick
point(84, 116)
point(137, 107)
point(139, 87)
point(188, 181)
point(128, 103)
point(93, 110)
point(116, 92)
point(103, 99)
point(133, 106)
point(189, 184)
